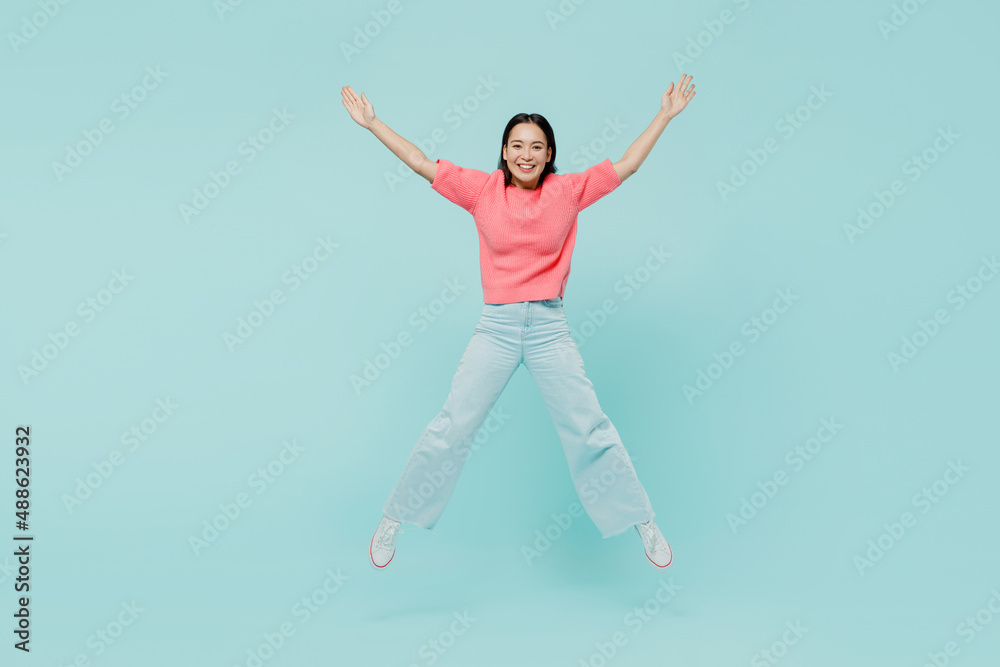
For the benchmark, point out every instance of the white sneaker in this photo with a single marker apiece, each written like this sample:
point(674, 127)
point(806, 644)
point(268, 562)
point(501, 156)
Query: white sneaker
point(383, 545)
point(657, 550)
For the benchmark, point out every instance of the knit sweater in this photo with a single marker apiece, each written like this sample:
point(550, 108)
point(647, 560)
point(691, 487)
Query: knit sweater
point(526, 237)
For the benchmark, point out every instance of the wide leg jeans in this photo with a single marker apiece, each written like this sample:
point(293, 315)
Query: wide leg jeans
point(536, 334)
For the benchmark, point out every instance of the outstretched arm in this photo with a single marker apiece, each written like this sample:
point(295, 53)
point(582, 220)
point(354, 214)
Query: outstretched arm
point(671, 104)
point(363, 113)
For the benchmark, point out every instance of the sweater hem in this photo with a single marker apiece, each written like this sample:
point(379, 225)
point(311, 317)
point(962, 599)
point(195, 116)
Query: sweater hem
point(500, 296)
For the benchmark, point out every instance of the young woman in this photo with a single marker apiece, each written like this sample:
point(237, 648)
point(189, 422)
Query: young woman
point(526, 216)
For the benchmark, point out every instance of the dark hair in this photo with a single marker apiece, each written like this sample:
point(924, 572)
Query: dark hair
point(550, 138)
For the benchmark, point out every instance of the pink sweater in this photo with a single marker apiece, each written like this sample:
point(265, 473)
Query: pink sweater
point(526, 237)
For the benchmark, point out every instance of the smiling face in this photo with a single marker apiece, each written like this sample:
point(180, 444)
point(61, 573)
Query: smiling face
point(526, 145)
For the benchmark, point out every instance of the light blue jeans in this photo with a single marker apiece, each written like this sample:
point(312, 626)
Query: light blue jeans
point(536, 334)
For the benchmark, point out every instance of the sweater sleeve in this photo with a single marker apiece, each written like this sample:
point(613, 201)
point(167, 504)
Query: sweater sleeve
point(594, 183)
point(459, 184)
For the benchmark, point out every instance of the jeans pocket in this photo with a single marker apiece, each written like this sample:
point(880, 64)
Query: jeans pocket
point(553, 303)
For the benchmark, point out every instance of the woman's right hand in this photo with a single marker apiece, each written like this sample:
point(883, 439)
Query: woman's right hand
point(360, 108)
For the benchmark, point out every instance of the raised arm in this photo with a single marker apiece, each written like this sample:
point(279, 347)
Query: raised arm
point(363, 113)
point(671, 104)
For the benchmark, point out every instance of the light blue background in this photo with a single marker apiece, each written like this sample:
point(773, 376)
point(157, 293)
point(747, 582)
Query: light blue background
point(324, 176)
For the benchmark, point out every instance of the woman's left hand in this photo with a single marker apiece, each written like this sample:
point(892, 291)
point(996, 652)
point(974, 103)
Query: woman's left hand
point(677, 97)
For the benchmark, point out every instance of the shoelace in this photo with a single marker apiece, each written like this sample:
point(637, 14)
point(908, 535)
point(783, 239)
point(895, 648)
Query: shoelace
point(654, 538)
point(385, 539)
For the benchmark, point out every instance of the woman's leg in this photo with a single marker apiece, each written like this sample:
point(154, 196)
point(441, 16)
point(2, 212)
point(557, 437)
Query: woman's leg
point(601, 469)
point(431, 472)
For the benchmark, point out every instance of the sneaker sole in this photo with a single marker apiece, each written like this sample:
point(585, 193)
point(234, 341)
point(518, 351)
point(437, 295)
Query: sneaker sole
point(654, 562)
